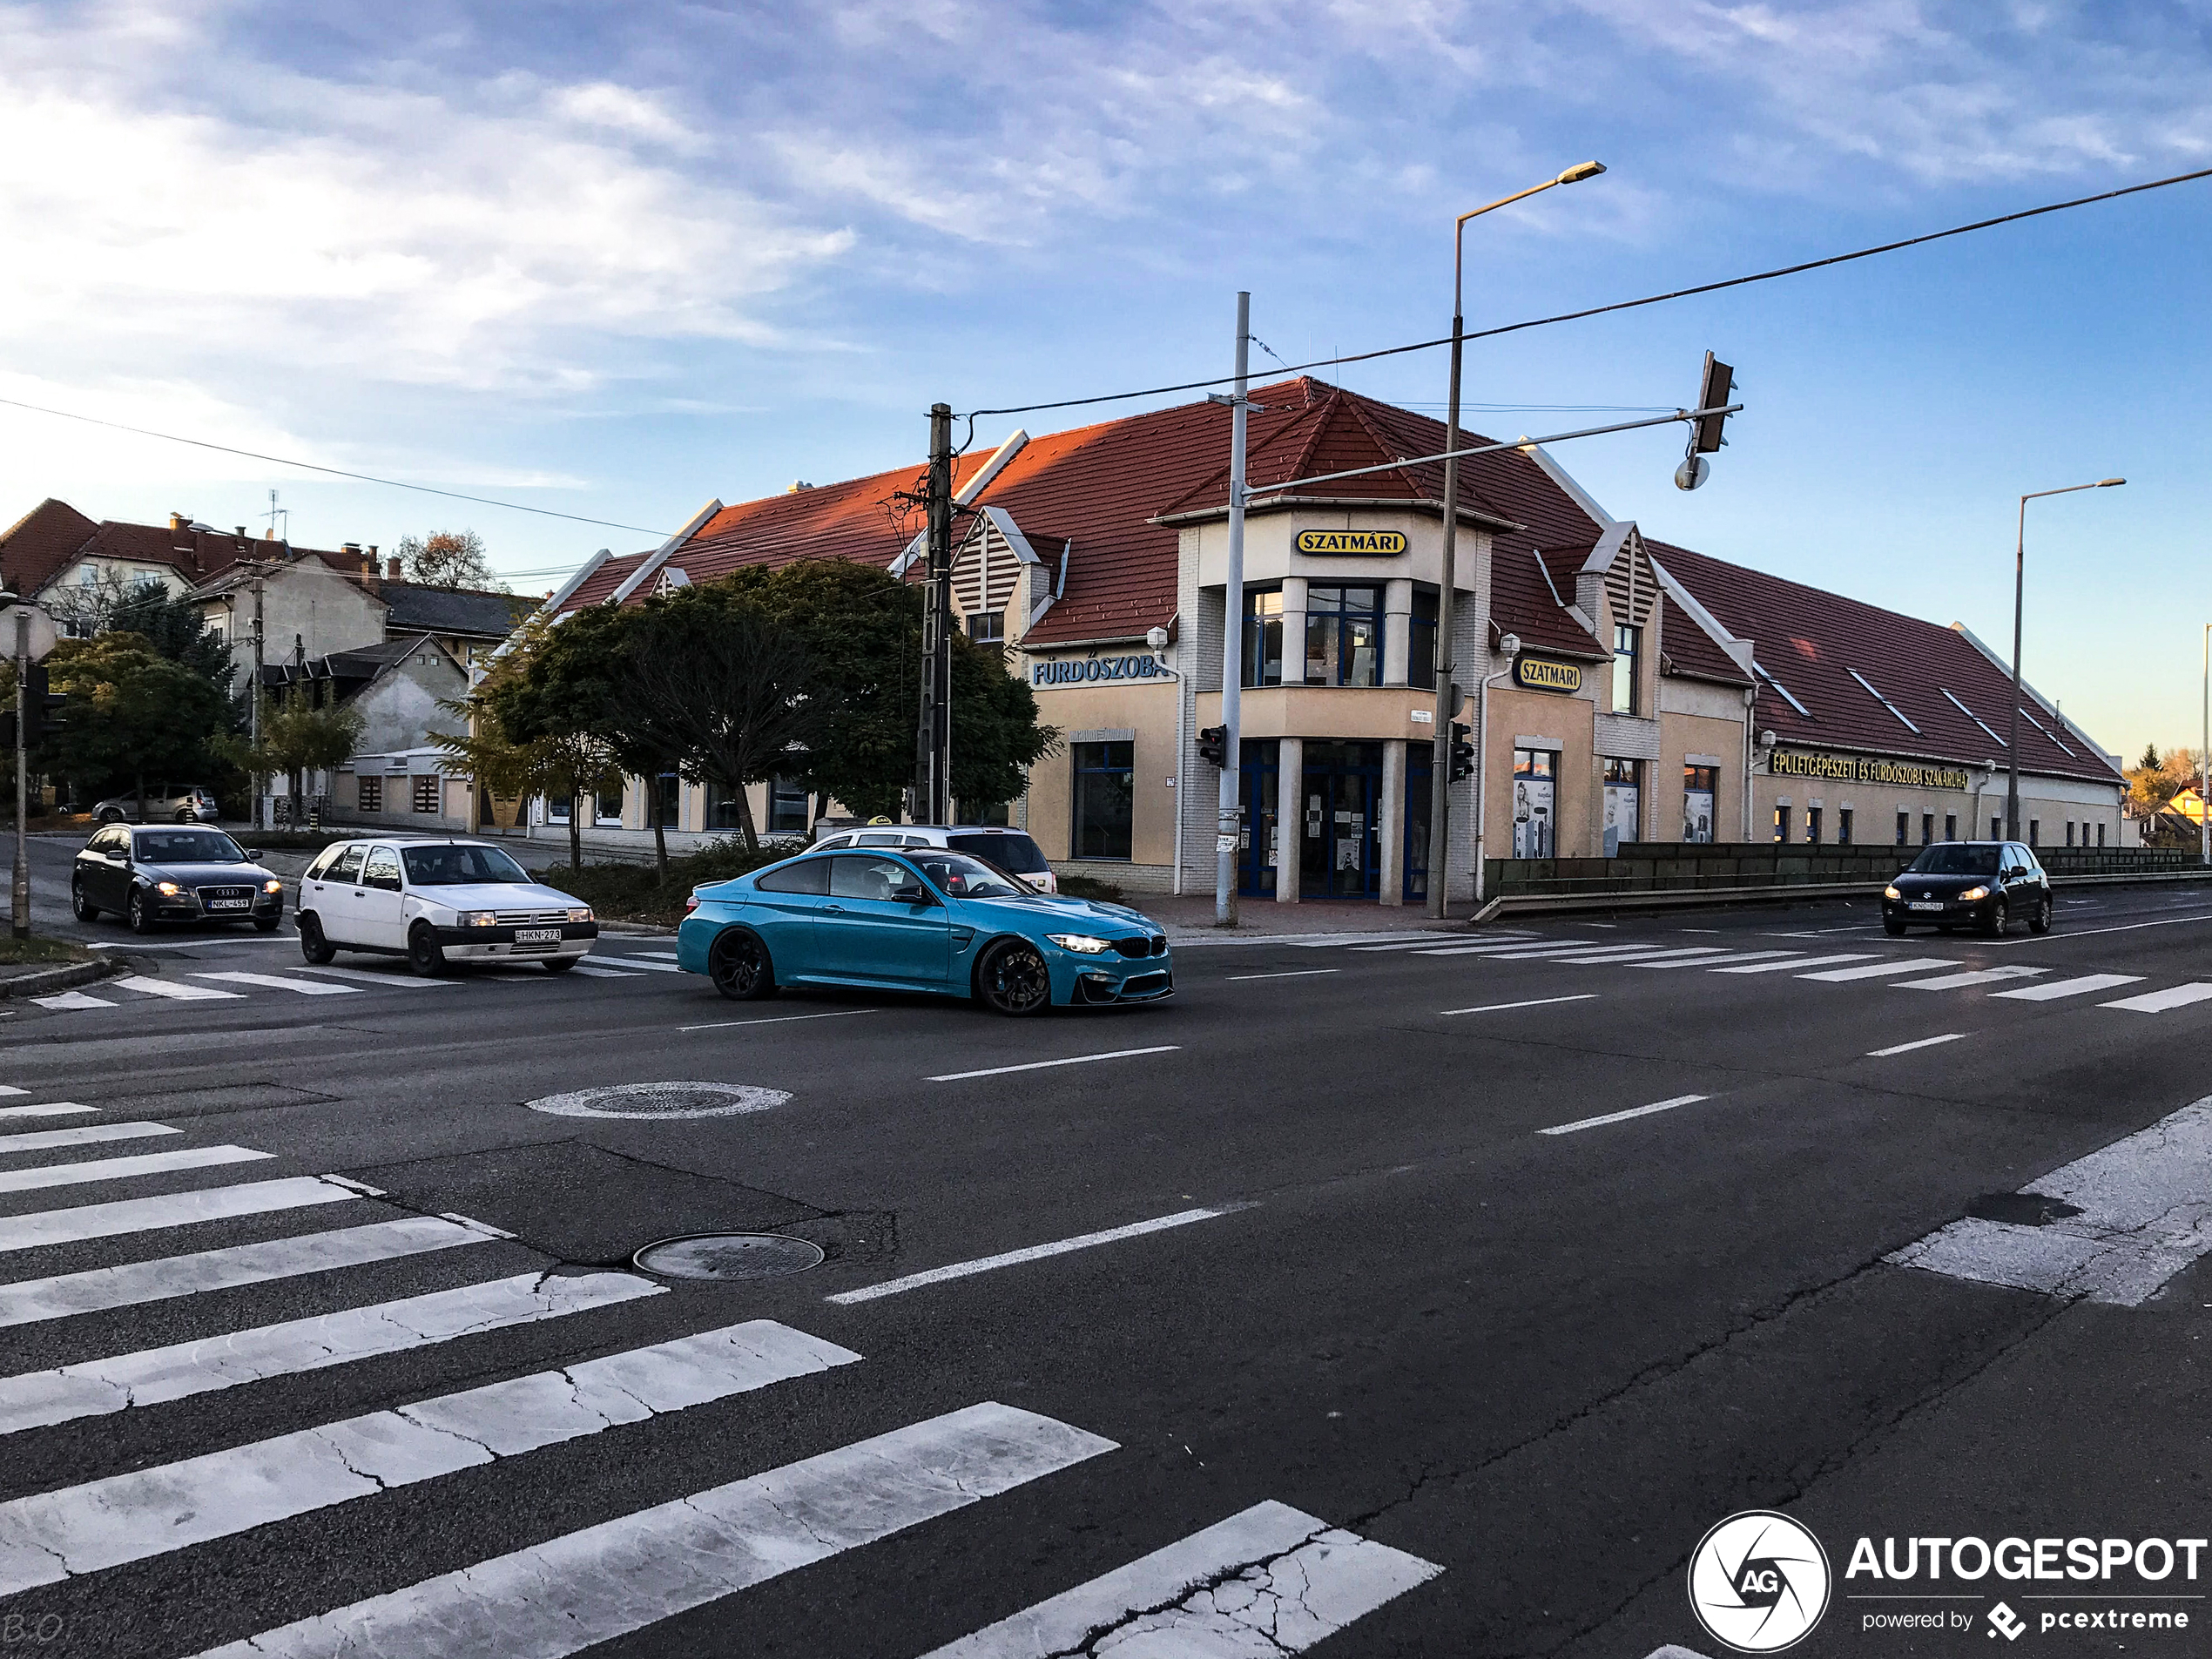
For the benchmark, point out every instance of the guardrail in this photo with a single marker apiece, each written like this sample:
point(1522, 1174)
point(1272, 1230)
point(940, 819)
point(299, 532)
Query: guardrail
point(1659, 867)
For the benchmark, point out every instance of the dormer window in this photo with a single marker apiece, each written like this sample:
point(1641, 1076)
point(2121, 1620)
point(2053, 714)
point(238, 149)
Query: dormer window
point(1628, 656)
point(986, 627)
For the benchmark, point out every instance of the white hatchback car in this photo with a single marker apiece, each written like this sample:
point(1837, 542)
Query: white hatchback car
point(437, 903)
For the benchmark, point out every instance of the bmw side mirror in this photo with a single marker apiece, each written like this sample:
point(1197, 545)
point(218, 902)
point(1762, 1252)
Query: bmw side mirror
point(914, 894)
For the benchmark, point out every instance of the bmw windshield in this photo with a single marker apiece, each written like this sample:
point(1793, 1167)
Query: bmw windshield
point(958, 876)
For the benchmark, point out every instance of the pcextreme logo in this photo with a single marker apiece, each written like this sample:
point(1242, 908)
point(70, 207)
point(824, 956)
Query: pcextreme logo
point(1758, 1582)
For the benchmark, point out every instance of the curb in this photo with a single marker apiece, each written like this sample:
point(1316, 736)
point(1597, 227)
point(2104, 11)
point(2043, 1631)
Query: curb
point(1538, 904)
point(59, 979)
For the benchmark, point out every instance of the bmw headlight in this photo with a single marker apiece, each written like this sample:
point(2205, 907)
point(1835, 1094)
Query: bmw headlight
point(1892, 893)
point(1973, 894)
point(1082, 944)
point(581, 912)
point(167, 890)
point(479, 918)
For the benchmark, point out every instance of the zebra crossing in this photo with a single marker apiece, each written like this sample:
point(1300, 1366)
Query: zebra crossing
point(310, 981)
point(1268, 1571)
point(2022, 983)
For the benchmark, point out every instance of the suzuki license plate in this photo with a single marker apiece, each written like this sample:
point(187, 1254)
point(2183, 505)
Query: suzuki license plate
point(1921, 905)
point(538, 935)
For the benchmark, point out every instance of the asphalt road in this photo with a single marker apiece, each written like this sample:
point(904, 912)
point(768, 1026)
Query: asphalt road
point(1542, 1363)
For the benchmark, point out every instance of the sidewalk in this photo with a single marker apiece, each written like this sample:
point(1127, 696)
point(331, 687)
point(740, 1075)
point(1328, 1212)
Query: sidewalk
point(1187, 918)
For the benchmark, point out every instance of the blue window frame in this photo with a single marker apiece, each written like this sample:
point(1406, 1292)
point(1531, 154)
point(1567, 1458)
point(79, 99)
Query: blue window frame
point(1262, 636)
point(1105, 788)
point(1343, 636)
point(1420, 640)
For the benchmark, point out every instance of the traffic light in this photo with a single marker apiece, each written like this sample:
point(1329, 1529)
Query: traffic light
point(1462, 751)
point(1213, 744)
point(42, 709)
point(1718, 388)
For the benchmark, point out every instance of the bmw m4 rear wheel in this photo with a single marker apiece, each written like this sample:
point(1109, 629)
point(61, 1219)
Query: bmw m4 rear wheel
point(741, 966)
point(1012, 979)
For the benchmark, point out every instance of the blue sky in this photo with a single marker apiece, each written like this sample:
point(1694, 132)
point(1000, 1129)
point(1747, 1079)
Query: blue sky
point(615, 259)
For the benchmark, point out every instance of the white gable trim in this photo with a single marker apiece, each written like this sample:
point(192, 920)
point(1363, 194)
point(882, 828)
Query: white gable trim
point(638, 577)
point(1559, 475)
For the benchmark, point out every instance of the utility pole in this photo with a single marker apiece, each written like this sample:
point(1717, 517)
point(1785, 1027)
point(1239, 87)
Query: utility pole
point(1447, 695)
point(253, 692)
point(933, 742)
point(2204, 761)
point(20, 924)
point(1233, 645)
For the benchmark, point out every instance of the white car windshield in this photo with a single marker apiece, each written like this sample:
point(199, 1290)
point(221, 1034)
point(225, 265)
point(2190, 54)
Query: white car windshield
point(455, 867)
point(187, 847)
point(958, 876)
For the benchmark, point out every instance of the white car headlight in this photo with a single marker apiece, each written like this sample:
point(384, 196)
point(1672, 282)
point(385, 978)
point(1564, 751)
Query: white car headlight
point(1972, 894)
point(167, 890)
point(1892, 893)
point(479, 918)
point(1082, 944)
point(581, 912)
point(273, 885)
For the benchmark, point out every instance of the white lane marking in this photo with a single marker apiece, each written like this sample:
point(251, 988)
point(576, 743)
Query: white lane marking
point(645, 955)
point(2129, 927)
point(2174, 997)
point(279, 982)
point(83, 1135)
point(137, 944)
point(401, 982)
point(128, 1283)
point(1269, 1580)
point(1977, 976)
point(586, 1587)
point(1800, 960)
point(1731, 956)
point(1538, 1002)
point(1376, 942)
point(1426, 941)
point(1879, 970)
point(780, 1019)
point(647, 963)
point(590, 972)
point(124, 1382)
point(1032, 1253)
point(170, 1209)
point(52, 1535)
point(2058, 988)
point(1622, 1117)
point(170, 988)
point(68, 1175)
point(1684, 955)
point(52, 1108)
point(1907, 1048)
point(1559, 951)
point(2143, 1203)
point(10, 1089)
point(72, 1000)
point(1294, 973)
point(1046, 1065)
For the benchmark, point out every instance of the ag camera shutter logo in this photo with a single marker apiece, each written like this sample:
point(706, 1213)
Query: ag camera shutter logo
point(1758, 1582)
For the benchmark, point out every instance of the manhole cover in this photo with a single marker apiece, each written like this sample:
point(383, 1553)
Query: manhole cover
point(2021, 1209)
point(662, 1100)
point(728, 1256)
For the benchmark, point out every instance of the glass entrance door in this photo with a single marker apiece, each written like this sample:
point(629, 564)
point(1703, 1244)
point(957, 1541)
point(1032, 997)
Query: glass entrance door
point(1341, 837)
point(1417, 802)
point(1258, 843)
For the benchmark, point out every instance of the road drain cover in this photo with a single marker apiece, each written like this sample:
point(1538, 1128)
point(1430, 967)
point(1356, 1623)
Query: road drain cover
point(727, 1256)
point(663, 1101)
point(2021, 1209)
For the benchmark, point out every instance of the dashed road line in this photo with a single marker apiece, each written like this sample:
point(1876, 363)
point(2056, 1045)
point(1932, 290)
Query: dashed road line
point(1622, 1117)
point(1536, 1002)
point(2174, 997)
point(1031, 1253)
point(1879, 970)
point(1907, 1048)
point(1295, 973)
point(277, 983)
point(778, 1019)
point(2057, 988)
point(1047, 1065)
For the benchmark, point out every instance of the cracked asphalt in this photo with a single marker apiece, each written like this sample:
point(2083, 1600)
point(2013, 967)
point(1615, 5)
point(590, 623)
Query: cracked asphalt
point(1547, 1364)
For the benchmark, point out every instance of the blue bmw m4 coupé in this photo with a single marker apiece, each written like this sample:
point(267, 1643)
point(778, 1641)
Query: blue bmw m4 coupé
point(925, 919)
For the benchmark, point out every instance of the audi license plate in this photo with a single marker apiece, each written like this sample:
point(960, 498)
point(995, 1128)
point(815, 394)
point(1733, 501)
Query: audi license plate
point(230, 904)
point(1918, 904)
point(538, 935)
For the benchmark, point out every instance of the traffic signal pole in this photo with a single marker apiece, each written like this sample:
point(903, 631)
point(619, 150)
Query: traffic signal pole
point(20, 920)
point(933, 770)
point(1233, 645)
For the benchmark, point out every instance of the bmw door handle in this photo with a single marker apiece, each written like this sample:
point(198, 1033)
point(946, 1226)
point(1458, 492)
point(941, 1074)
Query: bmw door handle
point(832, 909)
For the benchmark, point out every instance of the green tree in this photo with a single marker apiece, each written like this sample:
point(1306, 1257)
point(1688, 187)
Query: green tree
point(298, 735)
point(131, 710)
point(177, 629)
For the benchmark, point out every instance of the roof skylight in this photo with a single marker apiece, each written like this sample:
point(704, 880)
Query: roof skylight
point(1971, 715)
point(1780, 687)
point(2045, 730)
point(1884, 701)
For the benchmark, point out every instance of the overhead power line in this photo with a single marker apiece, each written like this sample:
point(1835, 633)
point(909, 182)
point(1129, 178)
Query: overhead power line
point(335, 472)
point(1621, 305)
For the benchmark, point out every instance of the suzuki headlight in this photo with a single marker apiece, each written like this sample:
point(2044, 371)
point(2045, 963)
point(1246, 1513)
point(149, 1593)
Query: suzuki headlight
point(1082, 944)
point(273, 885)
point(1892, 893)
point(581, 912)
point(1973, 894)
point(168, 889)
point(478, 918)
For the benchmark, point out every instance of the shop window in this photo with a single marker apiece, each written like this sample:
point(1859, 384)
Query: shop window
point(1628, 648)
point(1104, 786)
point(1812, 825)
point(2035, 832)
point(668, 800)
point(1420, 641)
point(1927, 829)
point(1996, 828)
point(2069, 831)
point(1534, 789)
point(1344, 631)
point(1903, 828)
point(1624, 805)
point(426, 794)
point(1781, 823)
point(2101, 835)
point(1697, 797)
point(559, 808)
point(787, 806)
point(1843, 827)
point(986, 627)
point(723, 811)
point(372, 795)
point(1262, 636)
point(1950, 826)
point(606, 810)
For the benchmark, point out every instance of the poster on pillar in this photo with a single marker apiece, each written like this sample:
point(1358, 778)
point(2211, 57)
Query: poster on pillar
point(1620, 803)
point(1532, 804)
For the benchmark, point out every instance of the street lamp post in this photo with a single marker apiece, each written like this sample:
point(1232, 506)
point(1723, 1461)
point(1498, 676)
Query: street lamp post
point(1439, 809)
point(2019, 568)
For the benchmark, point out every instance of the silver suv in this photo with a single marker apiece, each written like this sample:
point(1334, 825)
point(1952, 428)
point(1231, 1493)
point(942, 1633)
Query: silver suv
point(190, 805)
point(1010, 849)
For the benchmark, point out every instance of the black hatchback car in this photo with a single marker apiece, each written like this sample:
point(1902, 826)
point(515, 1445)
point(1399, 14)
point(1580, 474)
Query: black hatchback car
point(149, 875)
point(1985, 884)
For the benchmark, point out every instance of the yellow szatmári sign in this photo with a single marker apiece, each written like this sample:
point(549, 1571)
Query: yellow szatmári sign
point(1366, 544)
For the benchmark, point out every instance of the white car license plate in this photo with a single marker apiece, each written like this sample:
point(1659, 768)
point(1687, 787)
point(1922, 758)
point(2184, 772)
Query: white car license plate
point(1927, 904)
point(538, 935)
point(230, 904)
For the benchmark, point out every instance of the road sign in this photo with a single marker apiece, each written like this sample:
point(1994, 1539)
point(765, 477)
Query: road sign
point(44, 633)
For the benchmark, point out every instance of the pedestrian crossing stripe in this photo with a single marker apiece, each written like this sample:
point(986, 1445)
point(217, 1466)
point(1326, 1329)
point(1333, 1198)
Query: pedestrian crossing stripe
point(47, 1140)
point(277, 983)
point(51, 1109)
point(123, 1216)
point(65, 1175)
point(170, 988)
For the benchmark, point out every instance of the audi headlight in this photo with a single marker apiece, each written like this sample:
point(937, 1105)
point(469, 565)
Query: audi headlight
point(1972, 894)
point(581, 912)
point(167, 890)
point(479, 918)
point(1082, 944)
point(1892, 893)
point(273, 885)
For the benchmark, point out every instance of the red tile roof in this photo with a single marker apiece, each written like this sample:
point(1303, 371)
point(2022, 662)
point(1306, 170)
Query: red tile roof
point(1686, 649)
point(54, 535)
point(1811, 642)
point(41, 542)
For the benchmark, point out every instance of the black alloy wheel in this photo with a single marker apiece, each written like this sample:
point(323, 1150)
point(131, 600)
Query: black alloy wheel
point(2000, 919)
point(1012, 979)
point(2040, 922)
point(741, 966)
point(426, 958)
point(312, 946)
point(141, 914)
point(80, 906)
point(1893, 925)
